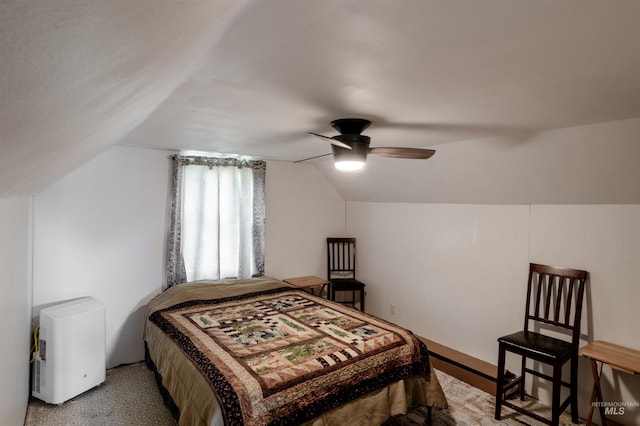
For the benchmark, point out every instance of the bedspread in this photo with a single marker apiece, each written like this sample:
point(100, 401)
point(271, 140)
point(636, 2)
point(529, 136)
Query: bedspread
point(277, 355)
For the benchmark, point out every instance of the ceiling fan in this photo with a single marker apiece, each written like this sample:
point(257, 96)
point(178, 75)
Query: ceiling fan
point(350, 148)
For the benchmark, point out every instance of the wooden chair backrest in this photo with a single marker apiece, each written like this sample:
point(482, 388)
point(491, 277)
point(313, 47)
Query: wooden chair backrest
point(341, 258)
point(554, 297)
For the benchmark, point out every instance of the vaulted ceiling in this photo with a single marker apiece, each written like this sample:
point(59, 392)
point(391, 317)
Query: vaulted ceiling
point(485, 83)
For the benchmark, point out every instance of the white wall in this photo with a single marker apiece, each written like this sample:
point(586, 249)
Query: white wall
point(100, 231)
point(605, 240)
point(15, 308)
point(457, 273)
point(446, 267)
point(302, 210)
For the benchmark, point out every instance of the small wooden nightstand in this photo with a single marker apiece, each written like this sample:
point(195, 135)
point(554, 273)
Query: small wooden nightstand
point(309, 283)
point(617, 357)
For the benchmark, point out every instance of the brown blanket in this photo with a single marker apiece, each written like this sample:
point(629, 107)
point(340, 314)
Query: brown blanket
point(282, 356)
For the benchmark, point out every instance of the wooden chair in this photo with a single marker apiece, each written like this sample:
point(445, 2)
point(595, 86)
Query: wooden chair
point(341, 270)
point(554, 301)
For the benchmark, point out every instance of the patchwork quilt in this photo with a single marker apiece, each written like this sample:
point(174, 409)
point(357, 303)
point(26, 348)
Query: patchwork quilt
point(284, 356)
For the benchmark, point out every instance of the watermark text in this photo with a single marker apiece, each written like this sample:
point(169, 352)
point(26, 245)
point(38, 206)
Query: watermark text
point(615, 408)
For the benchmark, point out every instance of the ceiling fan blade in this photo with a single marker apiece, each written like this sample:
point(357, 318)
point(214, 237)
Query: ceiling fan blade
point(393, 152)
point(312, 158)
point(331, 140)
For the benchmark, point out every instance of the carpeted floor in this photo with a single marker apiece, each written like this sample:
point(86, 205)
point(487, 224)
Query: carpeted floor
point(129, 397)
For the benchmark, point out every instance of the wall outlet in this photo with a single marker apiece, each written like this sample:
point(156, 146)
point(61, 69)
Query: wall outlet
point(392, 309)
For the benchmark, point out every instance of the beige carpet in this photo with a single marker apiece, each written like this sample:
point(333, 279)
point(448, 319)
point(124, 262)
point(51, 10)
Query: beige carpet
point(130, 397)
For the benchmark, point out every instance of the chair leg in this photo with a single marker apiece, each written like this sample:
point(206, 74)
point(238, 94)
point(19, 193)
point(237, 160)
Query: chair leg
point(362, 300)
point(522, 376)
point(500, 380)
point(555, 395)
point(574, 388)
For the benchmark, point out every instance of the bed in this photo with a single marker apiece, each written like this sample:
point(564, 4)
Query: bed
point(262, 352)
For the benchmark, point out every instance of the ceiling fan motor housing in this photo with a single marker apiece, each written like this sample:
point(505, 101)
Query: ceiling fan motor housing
point(359, 147)
point(350, 126)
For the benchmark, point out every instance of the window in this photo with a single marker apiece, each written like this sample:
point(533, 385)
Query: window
point(217, 222)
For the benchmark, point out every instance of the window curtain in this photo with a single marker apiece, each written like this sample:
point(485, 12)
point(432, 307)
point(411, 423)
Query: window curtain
point(217, 219)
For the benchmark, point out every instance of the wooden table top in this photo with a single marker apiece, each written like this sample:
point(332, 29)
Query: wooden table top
point(618, 357)
point(305, 282)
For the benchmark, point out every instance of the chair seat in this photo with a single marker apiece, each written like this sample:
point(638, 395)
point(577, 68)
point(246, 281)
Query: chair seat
point(539, 344)
point(346, 284)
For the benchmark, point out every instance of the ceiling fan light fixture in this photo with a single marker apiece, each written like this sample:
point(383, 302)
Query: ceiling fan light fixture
point(350, 160)
point(349, 165)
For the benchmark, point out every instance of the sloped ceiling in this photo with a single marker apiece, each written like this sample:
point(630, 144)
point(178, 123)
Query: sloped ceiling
point(484, 83)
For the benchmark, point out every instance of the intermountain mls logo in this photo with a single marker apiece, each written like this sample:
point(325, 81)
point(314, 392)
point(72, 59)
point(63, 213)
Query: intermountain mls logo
point(615, 408)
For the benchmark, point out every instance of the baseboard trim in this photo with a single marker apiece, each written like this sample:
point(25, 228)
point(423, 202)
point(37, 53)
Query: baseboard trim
point(474, 371)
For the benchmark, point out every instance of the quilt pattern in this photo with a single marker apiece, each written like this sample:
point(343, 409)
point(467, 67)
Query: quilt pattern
point(284, 356)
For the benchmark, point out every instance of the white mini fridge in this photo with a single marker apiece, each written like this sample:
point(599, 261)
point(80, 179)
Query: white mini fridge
point(71, 350)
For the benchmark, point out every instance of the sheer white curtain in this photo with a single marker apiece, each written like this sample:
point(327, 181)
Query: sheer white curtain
point(217, 219)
